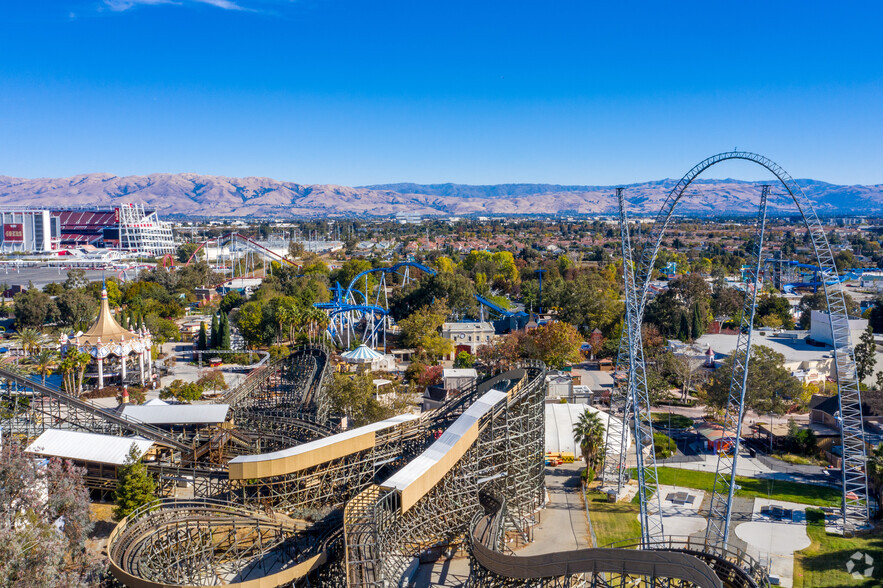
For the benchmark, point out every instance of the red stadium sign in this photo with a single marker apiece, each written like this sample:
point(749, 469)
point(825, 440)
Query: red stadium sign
point(13, 232)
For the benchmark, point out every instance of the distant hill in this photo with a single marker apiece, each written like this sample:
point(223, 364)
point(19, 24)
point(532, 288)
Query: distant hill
point(199, 196)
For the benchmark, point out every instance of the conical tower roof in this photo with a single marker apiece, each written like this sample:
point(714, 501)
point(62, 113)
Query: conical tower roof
point(105, 328)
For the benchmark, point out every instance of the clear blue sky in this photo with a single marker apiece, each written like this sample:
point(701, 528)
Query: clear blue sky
point(357, 92)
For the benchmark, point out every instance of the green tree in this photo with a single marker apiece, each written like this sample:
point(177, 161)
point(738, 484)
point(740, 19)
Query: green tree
point(224, 325)
point(555, 343)
point(464, 360)
point(163, 329)
point(33, 309)
point(135, 486)
point(778, 306)
point(420, 330)
point(770, 385)
point(202, 340)
point(183, 391)
point(457, 290)
point(865, 355)
point(215, 342)
point(186, 251)
point(73, 367)
point(52, 288)
point(350, 395)
point(588, 302)
point(76, 309)
point(44, 362)
point(232, 299)
point(696, 327)
point(588, 433)
point(76, 279)
point(29, 339)
point(124, 320)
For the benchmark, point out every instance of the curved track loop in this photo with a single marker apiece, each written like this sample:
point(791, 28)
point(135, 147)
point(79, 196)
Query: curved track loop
point(855, 507)
point(672, 562)
point(211, 543)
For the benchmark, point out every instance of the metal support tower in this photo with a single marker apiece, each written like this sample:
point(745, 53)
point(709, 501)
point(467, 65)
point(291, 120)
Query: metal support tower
point(616, 443)
point(648, 485)
point(719, 511)
point(855, 507)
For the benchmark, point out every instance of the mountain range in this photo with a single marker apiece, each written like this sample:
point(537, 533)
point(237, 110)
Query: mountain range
point(199, 196)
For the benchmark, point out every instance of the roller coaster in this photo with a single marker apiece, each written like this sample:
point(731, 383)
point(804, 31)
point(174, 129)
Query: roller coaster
point(363, 314)
point(282, 495)
point(631, 398)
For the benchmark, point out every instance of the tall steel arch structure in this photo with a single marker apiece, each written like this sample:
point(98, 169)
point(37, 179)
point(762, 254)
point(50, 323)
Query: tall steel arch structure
point(855, 507)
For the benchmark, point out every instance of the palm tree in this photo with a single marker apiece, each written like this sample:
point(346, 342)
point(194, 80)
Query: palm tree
point(29, 339)
point(73, 367)
point(44, 361)
point(588, 432)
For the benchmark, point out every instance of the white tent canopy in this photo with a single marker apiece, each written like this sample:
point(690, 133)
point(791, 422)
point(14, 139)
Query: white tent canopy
point(361, 354)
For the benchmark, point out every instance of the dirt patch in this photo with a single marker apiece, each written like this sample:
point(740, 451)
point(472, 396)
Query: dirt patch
point(102, 516)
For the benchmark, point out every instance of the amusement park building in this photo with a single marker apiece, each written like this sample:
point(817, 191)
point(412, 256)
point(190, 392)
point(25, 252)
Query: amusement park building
point(111, 346)
point(468, 336)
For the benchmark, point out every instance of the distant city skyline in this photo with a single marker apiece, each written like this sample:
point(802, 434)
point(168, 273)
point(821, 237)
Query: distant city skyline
point(356, 94)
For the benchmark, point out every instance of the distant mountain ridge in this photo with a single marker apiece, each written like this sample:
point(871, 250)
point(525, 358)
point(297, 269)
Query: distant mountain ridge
point(195, 195)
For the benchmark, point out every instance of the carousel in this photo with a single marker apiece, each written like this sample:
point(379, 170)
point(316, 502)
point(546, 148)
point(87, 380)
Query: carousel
point(112, 347)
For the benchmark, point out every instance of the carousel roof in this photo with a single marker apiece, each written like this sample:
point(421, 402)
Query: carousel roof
point(105, 328)
point(361, 354)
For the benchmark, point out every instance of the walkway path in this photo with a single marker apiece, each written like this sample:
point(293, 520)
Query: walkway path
point(562, 527)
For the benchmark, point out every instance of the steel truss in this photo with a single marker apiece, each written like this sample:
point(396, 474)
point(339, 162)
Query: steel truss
point(638, 395)
point(725, 474)
point(506, 458)
point(364, 314)
point(28, 408)
point(855, 507)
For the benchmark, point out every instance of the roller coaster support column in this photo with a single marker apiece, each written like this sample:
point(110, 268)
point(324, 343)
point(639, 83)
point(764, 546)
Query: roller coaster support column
point(648, 485)
point(719, 512)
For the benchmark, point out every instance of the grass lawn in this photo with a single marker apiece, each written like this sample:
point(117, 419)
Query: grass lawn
point(752, 487)
point(678, 421)
point(823, 564)
point(613, 522)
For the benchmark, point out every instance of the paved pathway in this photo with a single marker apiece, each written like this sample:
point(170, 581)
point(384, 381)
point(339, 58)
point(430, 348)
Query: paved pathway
point(562, 527)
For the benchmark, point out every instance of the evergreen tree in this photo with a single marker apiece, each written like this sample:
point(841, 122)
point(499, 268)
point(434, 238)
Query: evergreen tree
point(684, 329)
point(225, 331)
point(202, 342)
point(216, 333)
point(865, 355)
point(124, 321)
point(697, 322)
point(135, 486)
point(140, 321)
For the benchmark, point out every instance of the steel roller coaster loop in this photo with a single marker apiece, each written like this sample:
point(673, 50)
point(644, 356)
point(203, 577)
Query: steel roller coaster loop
point(855, 506)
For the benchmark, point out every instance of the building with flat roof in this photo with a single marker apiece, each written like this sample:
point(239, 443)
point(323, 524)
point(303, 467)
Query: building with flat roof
point(28, 231)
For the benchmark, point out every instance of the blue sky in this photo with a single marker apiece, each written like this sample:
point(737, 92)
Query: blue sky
point(325, 91)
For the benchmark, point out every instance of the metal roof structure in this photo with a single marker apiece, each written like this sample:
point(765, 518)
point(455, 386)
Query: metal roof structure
point(326, 442)
point(92, 447)
point(560, 419)
point(459, 373)
point(177, 414)
point(426, 469)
